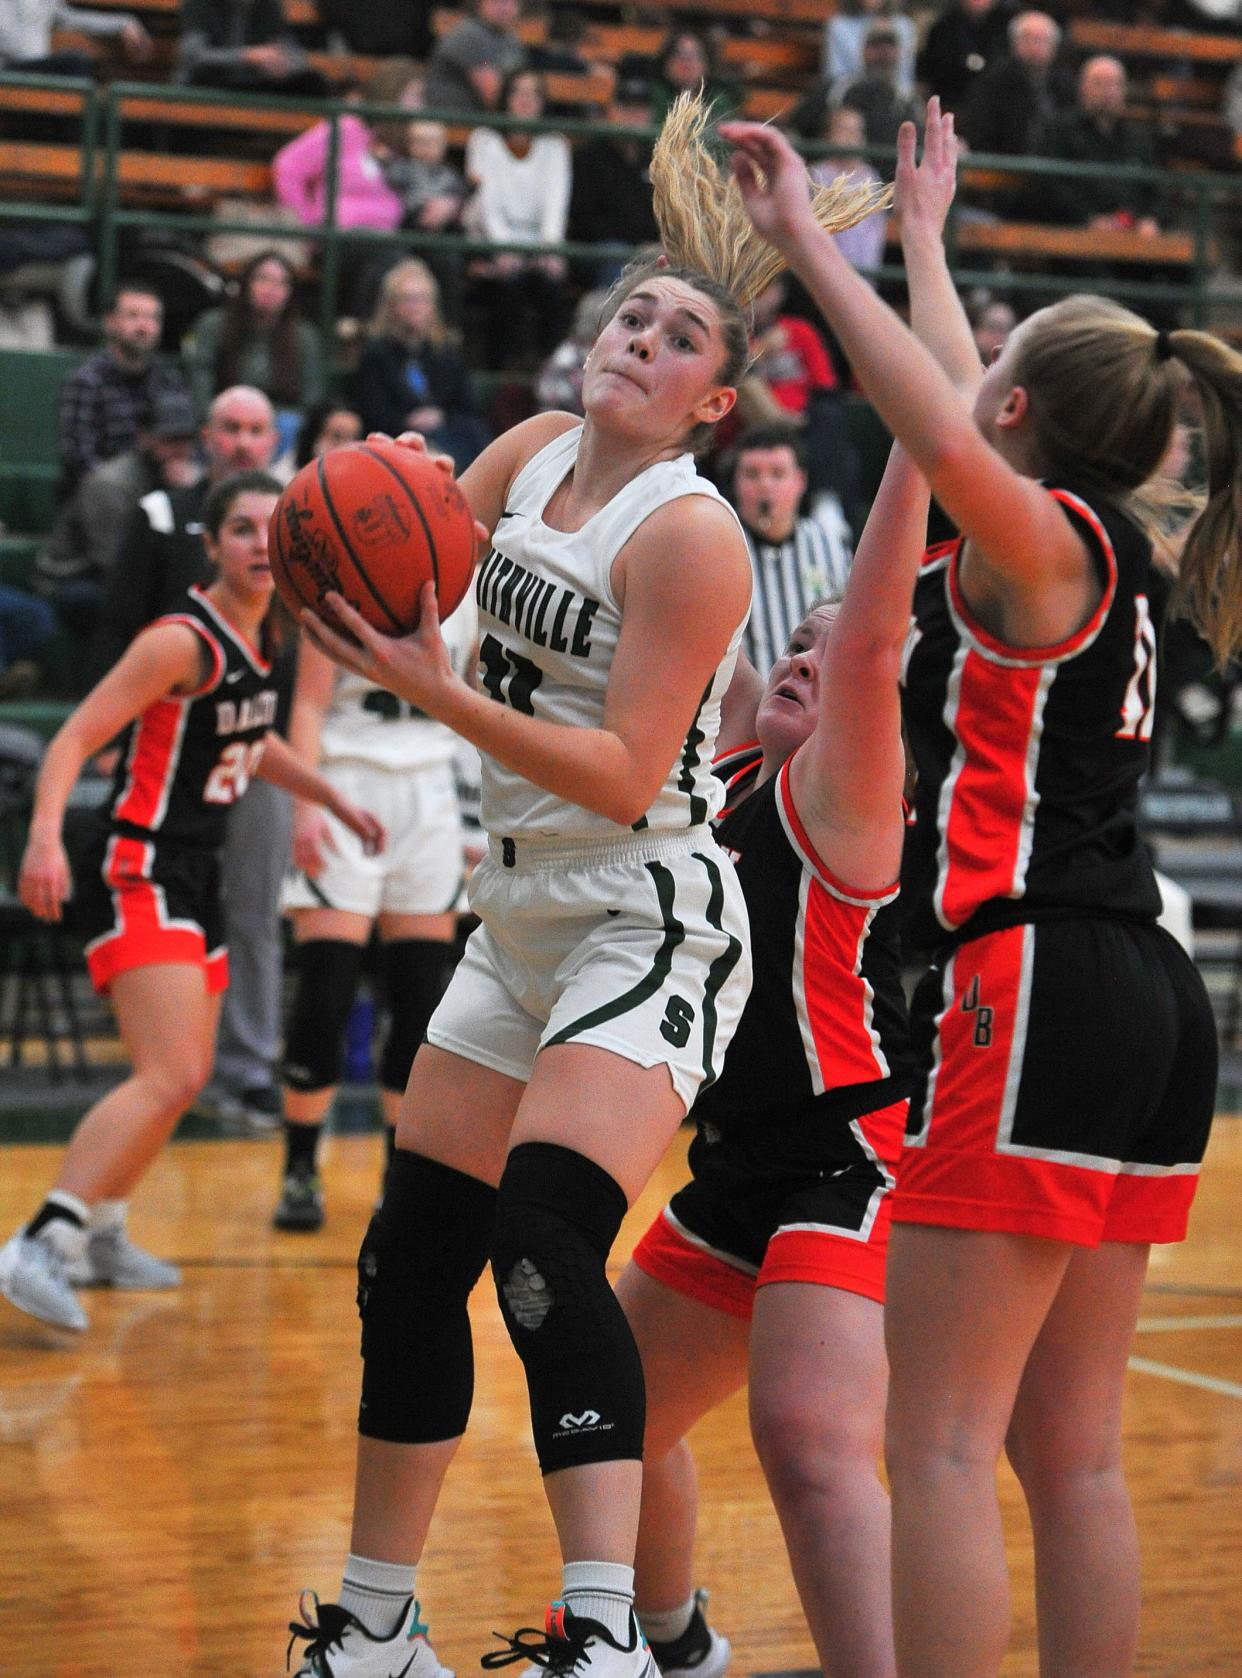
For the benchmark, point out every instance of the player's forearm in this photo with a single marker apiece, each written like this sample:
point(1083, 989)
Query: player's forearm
point(909, 390)
point(61, 766)
point(589, 766)
point(283, 768)
point(937, 317)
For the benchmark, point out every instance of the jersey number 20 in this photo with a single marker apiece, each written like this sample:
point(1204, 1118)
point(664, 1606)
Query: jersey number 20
point(234, 772)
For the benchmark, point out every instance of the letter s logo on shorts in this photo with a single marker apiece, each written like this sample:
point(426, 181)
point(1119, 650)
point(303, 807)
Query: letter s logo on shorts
point(678, 1018)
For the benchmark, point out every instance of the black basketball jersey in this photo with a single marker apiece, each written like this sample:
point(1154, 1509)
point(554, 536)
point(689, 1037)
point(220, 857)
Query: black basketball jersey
point(1029, 759)
point(189, 756)
point(826, 1016)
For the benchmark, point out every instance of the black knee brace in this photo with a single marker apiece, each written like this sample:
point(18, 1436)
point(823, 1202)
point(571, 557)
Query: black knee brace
point(557, 1216)
point(416, 970)
point(420, 1258)
point(328, 971)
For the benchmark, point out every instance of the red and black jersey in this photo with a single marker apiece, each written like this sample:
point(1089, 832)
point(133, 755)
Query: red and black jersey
point(826, 1016)
point(188, 757)
point(1029, 758)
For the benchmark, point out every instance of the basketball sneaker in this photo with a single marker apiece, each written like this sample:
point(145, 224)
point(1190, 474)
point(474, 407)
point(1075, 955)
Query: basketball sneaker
point(301, 1202)
point(699, 1651)
point(112, 1260)
point(340, 1646)
point(574, 1645)
point(34, 1276)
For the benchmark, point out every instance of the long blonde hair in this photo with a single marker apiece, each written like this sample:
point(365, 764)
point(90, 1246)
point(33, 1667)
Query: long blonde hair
point(383, 321)
point(1104, 390)
point(707, 239)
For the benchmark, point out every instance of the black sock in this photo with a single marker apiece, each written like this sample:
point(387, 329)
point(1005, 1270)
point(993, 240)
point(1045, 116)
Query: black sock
point(301, 1147)
point(55, 1207)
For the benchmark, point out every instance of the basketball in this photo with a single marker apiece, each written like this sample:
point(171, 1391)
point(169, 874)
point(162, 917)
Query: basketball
point(374, 521)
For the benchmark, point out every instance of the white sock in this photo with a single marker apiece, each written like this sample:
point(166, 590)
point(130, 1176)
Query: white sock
point(376, 1592)
point(108, 1214)
point(602, 1591)
point(65, 1235)
point(668, 1625)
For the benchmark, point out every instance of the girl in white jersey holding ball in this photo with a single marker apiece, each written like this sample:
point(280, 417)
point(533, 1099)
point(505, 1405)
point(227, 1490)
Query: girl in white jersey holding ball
point(602, 987)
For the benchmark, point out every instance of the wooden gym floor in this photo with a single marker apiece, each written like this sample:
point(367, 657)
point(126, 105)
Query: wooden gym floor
point(171, 1480)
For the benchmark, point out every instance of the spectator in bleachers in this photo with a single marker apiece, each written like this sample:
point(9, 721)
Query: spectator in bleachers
point(992, 321)
point(966, 39)
point(26, 36)
point(411, 376)
point(245, 45)
point(259, 338)
point(468, 67)
point(558, 384)
point(110, 398)
point(790, 358)
point(794, 560)
point(161, 551)
point(381, 28)
point(862, 244)
point(846, 31)
point(610, 200)
point(1015, 98)
point(26, 623)
point(329, 423)
point(1098, 132)
point(73, 568)
point(433, 194)
point(685, 64)
point(522, 185)
point(875, 94)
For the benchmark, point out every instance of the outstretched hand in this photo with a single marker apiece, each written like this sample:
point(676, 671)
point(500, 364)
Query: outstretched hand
point(773, 182)
point(925, 186)
point(415, 667)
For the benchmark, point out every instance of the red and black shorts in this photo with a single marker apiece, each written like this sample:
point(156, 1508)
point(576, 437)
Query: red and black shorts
point(1067, 1077)
point(777, 1202)
point(140, 904)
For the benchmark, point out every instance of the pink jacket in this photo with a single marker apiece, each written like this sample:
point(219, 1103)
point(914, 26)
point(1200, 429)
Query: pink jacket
point(363, 199)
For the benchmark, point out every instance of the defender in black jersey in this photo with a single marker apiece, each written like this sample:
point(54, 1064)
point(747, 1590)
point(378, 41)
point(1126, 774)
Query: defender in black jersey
point(768, 1266)
point(1065, 1044)
point(195, 693)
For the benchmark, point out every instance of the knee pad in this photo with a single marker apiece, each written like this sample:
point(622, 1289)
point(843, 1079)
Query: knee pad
point(557, 1215)
point(416, 971)
point(420, 1258)
point(328, 971)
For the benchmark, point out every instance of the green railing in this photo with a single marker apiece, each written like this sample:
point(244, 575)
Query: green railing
point(103, 119)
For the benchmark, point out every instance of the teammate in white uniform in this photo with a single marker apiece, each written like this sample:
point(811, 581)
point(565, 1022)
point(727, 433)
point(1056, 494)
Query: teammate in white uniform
point(364, 737)
point(605, 980)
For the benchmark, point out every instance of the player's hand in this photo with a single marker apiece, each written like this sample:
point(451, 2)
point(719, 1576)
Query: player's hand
point(415, 667)
point(925, 186)
point(368, 827)
point(773, 182)
point(44, 882)
point(312, 839)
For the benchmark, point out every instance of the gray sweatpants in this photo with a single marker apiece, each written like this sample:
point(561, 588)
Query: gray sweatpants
point(256, 855)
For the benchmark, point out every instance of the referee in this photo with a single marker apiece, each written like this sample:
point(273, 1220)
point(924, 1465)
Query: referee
point(796, 561)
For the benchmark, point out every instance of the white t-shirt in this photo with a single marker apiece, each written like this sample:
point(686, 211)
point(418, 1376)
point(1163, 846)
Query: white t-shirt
point(520, 197)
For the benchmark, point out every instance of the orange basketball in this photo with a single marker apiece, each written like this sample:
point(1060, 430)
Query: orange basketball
point(374, 521)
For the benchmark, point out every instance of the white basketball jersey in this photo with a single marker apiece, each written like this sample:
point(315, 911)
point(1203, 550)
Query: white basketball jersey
point(548, 628)
point(367, 724)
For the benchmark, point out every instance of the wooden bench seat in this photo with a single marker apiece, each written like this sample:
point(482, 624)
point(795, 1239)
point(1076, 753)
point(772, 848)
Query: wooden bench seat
point(1136, 40)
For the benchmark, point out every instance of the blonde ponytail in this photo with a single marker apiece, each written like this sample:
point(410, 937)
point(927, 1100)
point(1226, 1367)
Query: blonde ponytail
point(703, 224)
point(1209, 589)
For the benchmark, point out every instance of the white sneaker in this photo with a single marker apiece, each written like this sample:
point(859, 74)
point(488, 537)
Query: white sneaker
point(340, 1646)
point(112, 1260)
point(574, 1644)
point(34, 1277)
point(700, 1652)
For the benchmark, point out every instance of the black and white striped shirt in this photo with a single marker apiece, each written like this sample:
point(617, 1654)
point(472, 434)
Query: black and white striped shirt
point(789, 576)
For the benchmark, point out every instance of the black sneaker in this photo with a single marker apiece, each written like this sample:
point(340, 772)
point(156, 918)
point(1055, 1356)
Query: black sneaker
point(699, 1649)
point(301, 1202)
